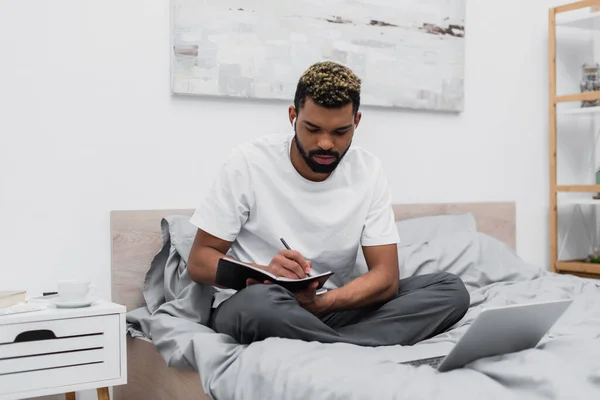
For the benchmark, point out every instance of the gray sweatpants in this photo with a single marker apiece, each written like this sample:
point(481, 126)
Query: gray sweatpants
point(425, 306)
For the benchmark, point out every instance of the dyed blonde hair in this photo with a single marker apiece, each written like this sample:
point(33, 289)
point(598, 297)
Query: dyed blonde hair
point(330, 85)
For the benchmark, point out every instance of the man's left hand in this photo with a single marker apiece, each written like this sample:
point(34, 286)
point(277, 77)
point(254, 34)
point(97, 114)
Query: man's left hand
point(316, 304)
point(307, 296)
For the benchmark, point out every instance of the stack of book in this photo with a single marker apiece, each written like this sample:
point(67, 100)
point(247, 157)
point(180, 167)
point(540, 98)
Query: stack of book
point(11, 298)
point(15, 301)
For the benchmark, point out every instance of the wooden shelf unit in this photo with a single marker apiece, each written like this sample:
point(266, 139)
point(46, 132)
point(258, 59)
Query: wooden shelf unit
point(577, 97)
point(578, 188)
point(578, 266)
point(590, 22)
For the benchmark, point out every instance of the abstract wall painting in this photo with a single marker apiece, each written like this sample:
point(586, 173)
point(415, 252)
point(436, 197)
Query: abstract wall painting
point(408, 53)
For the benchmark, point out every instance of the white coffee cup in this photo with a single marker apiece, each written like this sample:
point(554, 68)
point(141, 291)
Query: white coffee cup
point(74, 290)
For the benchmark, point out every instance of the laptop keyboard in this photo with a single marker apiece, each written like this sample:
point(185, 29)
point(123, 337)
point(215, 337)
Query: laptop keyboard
point(434, 362)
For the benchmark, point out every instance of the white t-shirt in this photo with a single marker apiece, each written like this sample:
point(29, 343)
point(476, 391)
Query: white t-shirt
point(258, 197)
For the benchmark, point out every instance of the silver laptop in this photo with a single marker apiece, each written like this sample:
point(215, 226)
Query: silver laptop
point(495, 331)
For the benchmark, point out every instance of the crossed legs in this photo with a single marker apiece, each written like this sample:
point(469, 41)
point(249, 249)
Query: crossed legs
point(425, 306)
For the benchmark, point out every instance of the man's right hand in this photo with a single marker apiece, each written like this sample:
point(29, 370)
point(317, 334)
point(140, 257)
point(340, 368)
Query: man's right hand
point(289, 264)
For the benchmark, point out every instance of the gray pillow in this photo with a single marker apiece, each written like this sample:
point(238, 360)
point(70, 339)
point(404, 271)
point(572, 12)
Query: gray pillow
point(420, 230)
point(476, 258)
point(424, 229)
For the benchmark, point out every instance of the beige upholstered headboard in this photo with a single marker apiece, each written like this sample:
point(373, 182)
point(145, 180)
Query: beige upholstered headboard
point(136, 238)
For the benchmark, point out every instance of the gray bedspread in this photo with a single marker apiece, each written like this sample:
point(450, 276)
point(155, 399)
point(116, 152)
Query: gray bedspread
point(565, 365)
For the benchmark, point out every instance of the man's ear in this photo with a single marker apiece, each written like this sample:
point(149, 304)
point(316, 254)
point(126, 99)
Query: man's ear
point(357, 119)
point(292, 114)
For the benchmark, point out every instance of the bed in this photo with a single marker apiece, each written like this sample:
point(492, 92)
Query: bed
point(171, 355)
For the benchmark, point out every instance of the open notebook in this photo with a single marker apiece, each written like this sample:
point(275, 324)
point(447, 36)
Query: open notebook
point(233, 275)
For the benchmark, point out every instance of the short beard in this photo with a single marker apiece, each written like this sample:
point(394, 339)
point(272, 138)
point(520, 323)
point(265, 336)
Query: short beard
point(315, 166)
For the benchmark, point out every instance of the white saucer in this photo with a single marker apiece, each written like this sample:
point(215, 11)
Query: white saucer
point(73, 304)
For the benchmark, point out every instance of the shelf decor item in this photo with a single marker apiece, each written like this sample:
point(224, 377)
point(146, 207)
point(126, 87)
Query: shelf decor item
point(590, 82)
point(595, 256)
point(597, 196)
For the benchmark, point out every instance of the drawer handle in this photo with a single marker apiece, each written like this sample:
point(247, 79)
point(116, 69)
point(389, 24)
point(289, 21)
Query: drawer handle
point(32, 336)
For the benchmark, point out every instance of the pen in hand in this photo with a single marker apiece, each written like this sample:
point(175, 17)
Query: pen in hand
point(288, 247)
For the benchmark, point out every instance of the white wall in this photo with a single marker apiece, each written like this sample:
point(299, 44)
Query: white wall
point(88, 125)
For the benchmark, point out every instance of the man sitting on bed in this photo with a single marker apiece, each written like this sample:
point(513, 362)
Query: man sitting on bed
point(325, 198)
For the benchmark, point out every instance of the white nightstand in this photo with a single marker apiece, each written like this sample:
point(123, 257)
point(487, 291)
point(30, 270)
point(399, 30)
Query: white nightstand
point(63, 351)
